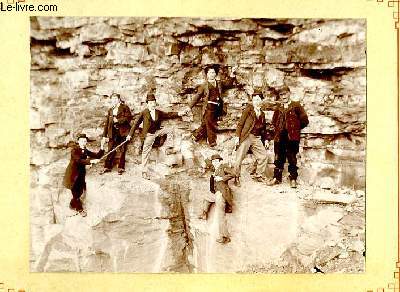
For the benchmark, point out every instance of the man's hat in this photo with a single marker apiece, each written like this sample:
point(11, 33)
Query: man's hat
point(216, 156)
point(260, 94)
point(150, 97)
point(82, 136)
point(215, 67)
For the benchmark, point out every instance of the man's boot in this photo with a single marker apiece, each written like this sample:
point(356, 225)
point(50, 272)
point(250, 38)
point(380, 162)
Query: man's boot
point(203, 216)
point(293, 183)
point(273, 181)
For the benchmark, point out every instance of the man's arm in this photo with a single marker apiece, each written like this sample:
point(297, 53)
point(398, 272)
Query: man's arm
point(76, 156)
point(242, 121)
point(229, 173)
point(97, 155)
point(139, 119)
point(275, 118)
point(199, 94)
point(126, 115)
point(301, 113)
point(105, 131)
point(168, 115)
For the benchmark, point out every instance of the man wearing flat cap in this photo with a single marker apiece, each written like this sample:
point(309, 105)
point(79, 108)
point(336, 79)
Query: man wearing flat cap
point(221, 195)
point(116, 129)
point(152, 119)
point(250, 135)
point(288, 120)
point(74, 178)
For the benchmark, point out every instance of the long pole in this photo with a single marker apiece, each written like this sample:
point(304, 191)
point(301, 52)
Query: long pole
point(108, 153)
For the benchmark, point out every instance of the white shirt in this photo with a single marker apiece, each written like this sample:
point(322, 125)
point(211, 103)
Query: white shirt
point(153, 114)
point(115, 110)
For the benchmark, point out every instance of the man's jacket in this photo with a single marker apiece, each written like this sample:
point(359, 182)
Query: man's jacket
point(203, 93)
point(227, 173)
point(150, 125)
point(123, 126)
point(293, 119)
point(76, 167)
point(246, 124)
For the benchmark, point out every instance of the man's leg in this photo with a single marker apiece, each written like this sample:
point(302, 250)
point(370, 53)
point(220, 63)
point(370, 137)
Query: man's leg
point(292, 150)
point(223, 235)
point(280, 158)
point(147, 145)
point(77, 191)
point(206, 204)
point(108, 164)
point(200, 133)
point(260, 154)
point(211, 126)
point(121, 163)
point(241, 154)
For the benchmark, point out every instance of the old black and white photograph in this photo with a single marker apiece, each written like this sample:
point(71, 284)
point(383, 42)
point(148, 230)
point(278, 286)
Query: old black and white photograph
point(197, 145)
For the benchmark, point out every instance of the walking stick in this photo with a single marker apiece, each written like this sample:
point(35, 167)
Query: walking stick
point(108, 153)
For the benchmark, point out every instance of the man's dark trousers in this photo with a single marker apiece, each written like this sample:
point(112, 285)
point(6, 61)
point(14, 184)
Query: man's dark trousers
point(285, 149)
point(208, 126)
point(112, 143)
point(77, 190)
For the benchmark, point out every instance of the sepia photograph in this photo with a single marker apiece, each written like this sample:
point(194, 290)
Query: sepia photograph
point(197, 145)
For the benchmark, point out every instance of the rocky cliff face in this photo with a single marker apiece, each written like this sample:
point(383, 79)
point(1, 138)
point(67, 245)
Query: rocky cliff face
point(135, 225)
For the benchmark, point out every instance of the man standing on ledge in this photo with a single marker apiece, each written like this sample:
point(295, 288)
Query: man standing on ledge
point(115, 131)
point(213, 107)
point(250, 134)
point(74, 178)
point(288, 120)
point(152, 119)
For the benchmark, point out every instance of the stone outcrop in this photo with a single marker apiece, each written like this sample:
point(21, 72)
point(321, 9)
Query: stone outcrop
point(134, 225)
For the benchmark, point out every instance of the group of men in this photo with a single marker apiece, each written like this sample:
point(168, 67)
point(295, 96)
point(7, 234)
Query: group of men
point(288, 120)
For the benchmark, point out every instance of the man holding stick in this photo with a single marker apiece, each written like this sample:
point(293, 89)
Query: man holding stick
point(116, 129)
point(74, 178)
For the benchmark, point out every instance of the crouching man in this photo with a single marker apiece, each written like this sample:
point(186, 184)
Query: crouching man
point(74, 178)
point(152, 119)
point(221, 195)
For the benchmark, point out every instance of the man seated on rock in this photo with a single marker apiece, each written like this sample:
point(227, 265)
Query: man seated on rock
point(250, 135)
point(74, 178)
point(116, 129)
point(288, 119)
point(152, 119)
point(221, 195)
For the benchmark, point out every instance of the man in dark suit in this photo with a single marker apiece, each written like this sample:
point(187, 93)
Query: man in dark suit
point(250, 135)
point(221, 195)
point(74, 178)
point(152, 119)
point(213, 107)
point(116, 129)
point(288, 120)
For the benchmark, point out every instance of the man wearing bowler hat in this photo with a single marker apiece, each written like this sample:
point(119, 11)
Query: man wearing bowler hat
point(116, 129)
point(152, 119)
point(74, 178)
point(221, 195)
